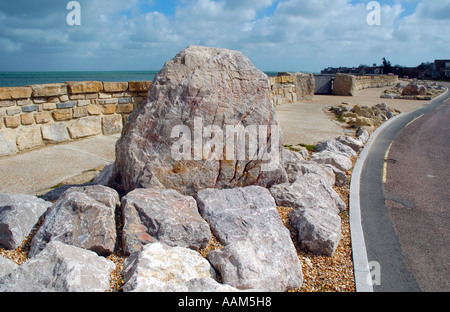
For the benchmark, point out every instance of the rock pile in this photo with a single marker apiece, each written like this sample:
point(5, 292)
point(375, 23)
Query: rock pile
point(414, 90)
point(169, 210)
point(365, 116)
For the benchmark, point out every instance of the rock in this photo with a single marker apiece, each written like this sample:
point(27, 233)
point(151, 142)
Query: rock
point(231, 213)
point(178, 138)
point(337, 160)
point(46, 90)
point(308, 192)
point(8, 143)
point(83, 217)
point(29, 137)
point(105, 176)
point(77, 87)
point(14, 93)
point(115, 86)
point(55, 133)
point(414, 89)
point(265, 260)
point(291, 161)
point(319, 231)
point(112, 124)
point(305, 85)
point(336, 147)
point(258, 253)
point(60, 268)
point(166, 216)
point(6, 266)
point(354, 144)
point(84, 127)
point(340, 176)
point(363, 111)
point(160, 268)
point(364, 122)
point(362, 135)
point(139, 86)
point(323, 171)
point(18, 215)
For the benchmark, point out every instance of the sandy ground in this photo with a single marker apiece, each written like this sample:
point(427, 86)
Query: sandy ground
point(307, 122)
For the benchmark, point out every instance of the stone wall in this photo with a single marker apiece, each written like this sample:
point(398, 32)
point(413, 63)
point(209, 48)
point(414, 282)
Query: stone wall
point(290, 88)
point(37, 115)
point(347, 85)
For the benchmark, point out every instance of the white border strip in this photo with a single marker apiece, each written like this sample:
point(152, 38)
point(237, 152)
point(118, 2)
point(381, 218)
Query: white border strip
point(361, 268)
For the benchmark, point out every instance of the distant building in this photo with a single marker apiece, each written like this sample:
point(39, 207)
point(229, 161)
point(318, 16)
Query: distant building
point(441, 69)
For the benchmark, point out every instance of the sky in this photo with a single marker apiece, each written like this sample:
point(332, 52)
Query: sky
point(276, 35)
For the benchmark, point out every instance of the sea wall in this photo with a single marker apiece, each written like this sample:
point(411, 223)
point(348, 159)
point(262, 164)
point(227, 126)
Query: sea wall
point(347, 85)
point(290, 88)
point(37, 115)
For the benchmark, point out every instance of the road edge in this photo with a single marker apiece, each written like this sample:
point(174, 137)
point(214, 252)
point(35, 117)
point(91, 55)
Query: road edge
point(363, 278)
point(361, 266)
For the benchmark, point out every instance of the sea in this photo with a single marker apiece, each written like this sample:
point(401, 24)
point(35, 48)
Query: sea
point(22, 79)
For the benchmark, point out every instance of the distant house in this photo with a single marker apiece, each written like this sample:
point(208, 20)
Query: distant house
point(441, 69)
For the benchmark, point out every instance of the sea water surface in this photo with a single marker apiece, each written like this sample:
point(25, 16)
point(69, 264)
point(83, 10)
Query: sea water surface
point(22, 79)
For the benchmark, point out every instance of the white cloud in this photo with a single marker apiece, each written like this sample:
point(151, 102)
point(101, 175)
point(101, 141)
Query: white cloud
point(297, 35)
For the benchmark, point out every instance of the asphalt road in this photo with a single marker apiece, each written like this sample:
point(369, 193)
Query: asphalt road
point(404, 197)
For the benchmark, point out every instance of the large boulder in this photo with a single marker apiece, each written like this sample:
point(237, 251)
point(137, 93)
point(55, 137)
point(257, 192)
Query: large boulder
point(83, 217)
point(259, 253)
point(165, 216)
point(190, 135)
point(309, 191)
point(319, 231)
point(160, 268)
point(18, 215)
point(60, 268)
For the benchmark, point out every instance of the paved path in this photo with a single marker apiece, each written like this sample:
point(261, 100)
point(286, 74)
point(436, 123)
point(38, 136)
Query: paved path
point(395, 235)
point(37, 171)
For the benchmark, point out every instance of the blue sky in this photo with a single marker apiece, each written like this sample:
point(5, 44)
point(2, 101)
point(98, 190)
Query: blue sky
point(277, 35)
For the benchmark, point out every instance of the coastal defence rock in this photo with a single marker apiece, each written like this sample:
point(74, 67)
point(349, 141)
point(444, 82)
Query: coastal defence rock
point(83, 217)
point(60, 268)
point(164, 216)
point(190, 135)
point(259, 253)
point(18, 215)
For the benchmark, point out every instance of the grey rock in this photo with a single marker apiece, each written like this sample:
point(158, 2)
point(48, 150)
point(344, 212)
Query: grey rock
point(83, 217)
point(166, 216)
point(354, 144)
point(335, 147)
point(105, 176)
point(340, 176)
point(319, 231)
point(291, 161)
point(362, 135)
point(18, 215)
point(161, 268)
point(60, 268)
point(201, 88)
point(340, 161)
point(6, 266)
point(323, 171)
point(259, 253)
point(309, 192)
point(231, 213)
point(265, 260)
